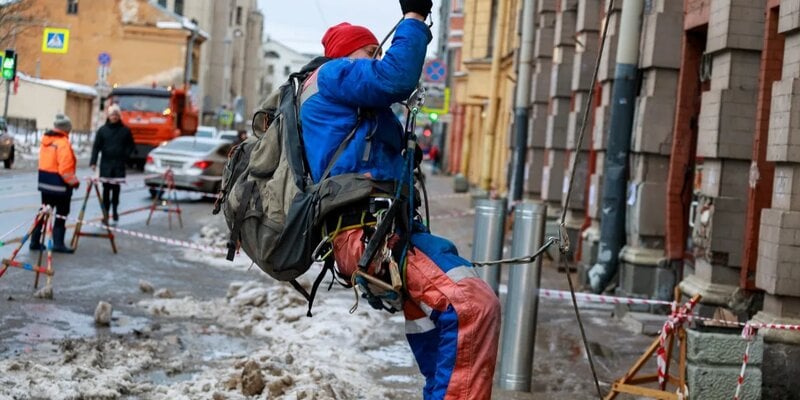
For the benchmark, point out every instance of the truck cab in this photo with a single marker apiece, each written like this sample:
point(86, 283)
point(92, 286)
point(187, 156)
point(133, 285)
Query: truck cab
point(154, 116)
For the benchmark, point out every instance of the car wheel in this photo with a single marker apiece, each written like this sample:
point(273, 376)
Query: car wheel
point(9, 162)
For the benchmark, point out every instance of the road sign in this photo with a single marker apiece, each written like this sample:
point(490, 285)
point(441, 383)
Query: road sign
point(55, 40)
point(437, 100)
point(435, 71)
point(104, 58)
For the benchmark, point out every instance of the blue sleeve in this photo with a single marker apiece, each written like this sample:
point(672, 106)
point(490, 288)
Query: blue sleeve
point(379, 83)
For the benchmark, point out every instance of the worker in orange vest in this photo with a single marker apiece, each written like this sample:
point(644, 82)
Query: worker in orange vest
point(56, 181)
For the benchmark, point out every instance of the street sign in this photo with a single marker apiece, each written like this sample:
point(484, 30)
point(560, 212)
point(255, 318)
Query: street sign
point(434, 71)
point(437, 100)
point(104, 58)
point(55, 40)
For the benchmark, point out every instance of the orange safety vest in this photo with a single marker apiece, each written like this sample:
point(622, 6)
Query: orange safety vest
point(56, 164)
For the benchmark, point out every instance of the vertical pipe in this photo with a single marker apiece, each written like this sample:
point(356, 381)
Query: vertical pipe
point(8, 97)
point(523, 99)
point(612, 226)
point(490, 120)
point(487, 243)
point(522, 301)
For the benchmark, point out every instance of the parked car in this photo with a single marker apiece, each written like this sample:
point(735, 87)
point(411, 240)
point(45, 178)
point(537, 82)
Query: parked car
point(206, 131)
point(230, 136)
point(6, 145)
point(196, 164)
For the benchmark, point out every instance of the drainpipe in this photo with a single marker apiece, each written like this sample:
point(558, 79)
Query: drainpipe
point(612, 224)
point(490, 121)
point(523, 99)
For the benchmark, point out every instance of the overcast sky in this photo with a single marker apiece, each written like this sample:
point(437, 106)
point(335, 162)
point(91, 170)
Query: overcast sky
point(300, 24)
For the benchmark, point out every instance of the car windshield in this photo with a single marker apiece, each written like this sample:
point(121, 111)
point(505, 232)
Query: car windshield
point(143, 103)
point(189, 145)
point(201, 132)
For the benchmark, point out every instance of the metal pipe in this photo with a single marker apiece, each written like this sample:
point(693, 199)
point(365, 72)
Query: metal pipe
point(523, 99)
point(612, 226)
point(522, 301)
point(487, 243)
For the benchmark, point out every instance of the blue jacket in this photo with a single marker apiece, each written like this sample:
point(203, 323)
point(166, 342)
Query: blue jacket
point(345, 85)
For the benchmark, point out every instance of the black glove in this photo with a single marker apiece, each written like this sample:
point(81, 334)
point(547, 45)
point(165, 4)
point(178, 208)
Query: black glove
point(421, 7)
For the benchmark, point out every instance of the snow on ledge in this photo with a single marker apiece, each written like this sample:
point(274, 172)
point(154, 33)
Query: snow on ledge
point(59, 84)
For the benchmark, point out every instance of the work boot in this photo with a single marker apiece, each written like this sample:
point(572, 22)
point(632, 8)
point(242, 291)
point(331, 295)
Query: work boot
point(36, 239)
point(58, 240)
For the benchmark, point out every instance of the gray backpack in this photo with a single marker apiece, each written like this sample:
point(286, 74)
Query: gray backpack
point(271, 205)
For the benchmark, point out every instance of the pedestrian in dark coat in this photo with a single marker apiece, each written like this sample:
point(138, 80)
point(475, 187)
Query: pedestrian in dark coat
point(115, 142)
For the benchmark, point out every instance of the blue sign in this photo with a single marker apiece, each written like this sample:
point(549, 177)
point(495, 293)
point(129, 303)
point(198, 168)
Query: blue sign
point(104, 58)
point(435, 71)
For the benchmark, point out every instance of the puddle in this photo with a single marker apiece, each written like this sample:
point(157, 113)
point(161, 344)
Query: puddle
point(39, 323)
point(161, 377)
point(393, 355)
point(211, 347)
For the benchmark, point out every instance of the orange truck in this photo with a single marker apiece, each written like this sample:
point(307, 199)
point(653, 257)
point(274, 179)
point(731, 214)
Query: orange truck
point(155, 116)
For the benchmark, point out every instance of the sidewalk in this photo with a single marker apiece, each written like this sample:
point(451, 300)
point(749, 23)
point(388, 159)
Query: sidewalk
point(560, 367)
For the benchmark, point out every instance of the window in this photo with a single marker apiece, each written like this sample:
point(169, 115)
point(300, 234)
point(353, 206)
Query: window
point(271, 70)
point(72, 7)
point(287, 70)
point(458, 6)
point(271, 54)
point(238, 15)
point(162, 3)
point(492, 24)
point(179, 7)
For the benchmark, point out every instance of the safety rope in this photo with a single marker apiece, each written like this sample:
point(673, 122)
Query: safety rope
point(564, 241)
point(519, 260)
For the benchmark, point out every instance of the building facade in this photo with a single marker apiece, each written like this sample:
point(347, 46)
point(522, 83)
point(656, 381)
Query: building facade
point(140, 52)
point(230, 70)
point(711, 173)
point(279, 62)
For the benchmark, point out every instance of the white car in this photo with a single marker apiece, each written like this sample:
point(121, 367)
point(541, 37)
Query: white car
point(206, 132)
point(196, 164)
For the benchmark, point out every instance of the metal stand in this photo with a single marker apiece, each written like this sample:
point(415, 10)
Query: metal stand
point(168, 181)
point(633, 384)
point(78, 233)
point(45, 217)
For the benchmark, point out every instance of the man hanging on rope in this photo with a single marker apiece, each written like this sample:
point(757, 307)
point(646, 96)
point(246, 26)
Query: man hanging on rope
point(452, 316)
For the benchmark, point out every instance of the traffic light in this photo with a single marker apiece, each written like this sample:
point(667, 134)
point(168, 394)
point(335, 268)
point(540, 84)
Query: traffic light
point(433, 116)
point(9, 67)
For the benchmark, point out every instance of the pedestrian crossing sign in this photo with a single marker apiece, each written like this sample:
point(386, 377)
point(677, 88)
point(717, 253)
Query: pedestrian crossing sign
point(55, 40)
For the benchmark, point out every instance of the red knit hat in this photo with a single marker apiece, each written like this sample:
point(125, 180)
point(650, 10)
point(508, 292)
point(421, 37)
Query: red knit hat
point(343, 39)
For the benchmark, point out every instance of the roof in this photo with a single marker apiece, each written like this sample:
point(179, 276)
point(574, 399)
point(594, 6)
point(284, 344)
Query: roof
point(141, 91)
point(70, 87)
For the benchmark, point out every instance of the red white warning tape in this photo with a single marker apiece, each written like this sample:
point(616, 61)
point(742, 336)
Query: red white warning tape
point(597, 298)
point(677, 318)
point(152, 238)
point(748, 333)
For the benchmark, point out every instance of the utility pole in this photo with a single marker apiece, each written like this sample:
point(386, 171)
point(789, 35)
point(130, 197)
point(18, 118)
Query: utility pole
point(612, 225)
point(490, 121)
point(523, 99)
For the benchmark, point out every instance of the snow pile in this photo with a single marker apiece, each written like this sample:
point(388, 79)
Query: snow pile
point(323, 357)
point(333, 355)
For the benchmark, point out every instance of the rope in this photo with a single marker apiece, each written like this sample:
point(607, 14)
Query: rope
point(519, 260)
point(564, 241)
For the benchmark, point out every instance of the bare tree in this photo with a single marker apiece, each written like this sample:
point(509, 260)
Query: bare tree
point(14, 20)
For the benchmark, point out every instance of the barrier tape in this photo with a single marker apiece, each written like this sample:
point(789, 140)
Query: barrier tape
point(677, 318)
point(152, 238)
point(748, 333)
point(597, 298)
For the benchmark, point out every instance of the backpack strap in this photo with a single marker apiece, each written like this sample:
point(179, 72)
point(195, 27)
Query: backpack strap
point(340, 149)
point(233, 240)
point(328, 266)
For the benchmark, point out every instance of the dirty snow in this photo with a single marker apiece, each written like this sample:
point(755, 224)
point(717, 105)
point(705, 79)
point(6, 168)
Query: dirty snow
point(333, 355)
